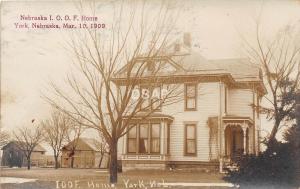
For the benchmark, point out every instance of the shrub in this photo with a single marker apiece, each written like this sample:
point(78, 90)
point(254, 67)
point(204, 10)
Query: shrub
point(267, 167)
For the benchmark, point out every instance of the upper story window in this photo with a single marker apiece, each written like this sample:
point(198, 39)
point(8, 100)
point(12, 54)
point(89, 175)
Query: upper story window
point(190, 140)
point(190, 94)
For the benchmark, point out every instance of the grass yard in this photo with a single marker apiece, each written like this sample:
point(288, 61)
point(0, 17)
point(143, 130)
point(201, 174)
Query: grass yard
point(65, 178)
point(94, 178)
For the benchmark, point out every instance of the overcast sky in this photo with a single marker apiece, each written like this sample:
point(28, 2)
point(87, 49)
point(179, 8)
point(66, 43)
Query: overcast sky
point(29, 58)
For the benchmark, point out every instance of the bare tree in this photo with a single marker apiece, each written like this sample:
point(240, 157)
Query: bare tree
point(102, 147)
point(55, 132)
point(103, 93)
point(279, 60)
point(4, 137)
point(27, 139)
point(74, 132)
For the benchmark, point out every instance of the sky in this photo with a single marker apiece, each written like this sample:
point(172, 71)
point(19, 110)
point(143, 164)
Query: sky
point(31, 58)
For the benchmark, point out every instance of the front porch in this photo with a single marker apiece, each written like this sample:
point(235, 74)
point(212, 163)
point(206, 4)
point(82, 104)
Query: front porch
point(237, 139)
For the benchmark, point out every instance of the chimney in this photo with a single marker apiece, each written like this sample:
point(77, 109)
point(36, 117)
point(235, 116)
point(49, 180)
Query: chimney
point(187, 39)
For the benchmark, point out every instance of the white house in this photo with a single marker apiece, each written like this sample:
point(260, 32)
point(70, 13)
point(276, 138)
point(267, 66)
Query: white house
point(216, 121)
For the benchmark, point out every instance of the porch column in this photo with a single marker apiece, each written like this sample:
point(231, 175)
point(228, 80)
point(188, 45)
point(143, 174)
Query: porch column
point(223, 138)
point(244, 127)
point(162, 138)
point(222, 147)
point(124, 150)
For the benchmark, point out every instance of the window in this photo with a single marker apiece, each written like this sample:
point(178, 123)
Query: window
point(190, 96)
point(168, 138)
point(132, 140)
point(143, 140)
point(155, 138)
point(190, 139)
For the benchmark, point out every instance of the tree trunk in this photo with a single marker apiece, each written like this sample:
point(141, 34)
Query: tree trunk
point(56, 162)
point(272, 139)
point(28, 163)
point(113, 167)
point(100, 160)
point(72, 162)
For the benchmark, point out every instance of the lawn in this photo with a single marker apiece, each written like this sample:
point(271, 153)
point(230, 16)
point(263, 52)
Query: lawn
point(65, 178)
point(94, 178)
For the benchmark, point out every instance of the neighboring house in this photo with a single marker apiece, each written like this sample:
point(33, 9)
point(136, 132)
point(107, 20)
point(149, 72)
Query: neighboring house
point(49, 161)
point(86, 154)
point(216, 121)
point(14, 157)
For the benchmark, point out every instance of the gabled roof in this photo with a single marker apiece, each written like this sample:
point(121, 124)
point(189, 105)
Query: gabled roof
point(84, 144)
point(38, 148)
point(194, 63)
point(191, 64)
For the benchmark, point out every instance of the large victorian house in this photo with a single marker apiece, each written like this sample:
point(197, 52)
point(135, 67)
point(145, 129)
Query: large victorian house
point(216, 122)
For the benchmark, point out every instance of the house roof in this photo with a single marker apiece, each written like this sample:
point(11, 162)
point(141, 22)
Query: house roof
point(38, 148)
point(84, 144)
point(189, 64)
point(241, 69)
point(193, 63)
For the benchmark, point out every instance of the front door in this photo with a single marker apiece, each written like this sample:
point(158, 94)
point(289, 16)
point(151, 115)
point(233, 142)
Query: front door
point(237, 144)
point(234, 142)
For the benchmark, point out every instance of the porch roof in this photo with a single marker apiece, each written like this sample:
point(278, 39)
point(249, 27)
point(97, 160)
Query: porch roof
point(147, 116)
point(237, 119)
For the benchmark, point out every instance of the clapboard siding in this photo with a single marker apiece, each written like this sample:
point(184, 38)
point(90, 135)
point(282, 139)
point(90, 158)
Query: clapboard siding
point(207, 106)
point(239, 102)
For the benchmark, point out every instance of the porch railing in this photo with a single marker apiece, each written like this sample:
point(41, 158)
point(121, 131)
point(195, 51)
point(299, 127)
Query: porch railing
point(154, 157)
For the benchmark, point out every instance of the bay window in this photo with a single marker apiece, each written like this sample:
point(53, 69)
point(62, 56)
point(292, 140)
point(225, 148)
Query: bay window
point(132, 140)
point(144, 139)
point(155, 138)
